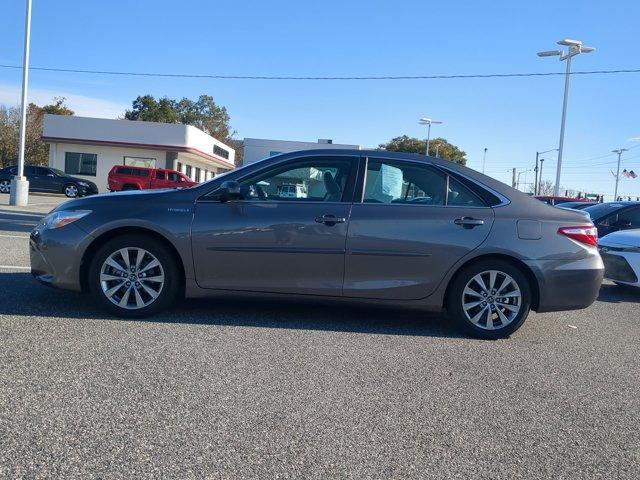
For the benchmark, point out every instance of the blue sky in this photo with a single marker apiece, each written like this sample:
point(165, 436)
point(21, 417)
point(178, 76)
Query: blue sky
point(511, 117)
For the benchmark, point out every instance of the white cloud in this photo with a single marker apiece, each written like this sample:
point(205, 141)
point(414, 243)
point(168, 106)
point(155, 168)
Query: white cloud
point(82, 105)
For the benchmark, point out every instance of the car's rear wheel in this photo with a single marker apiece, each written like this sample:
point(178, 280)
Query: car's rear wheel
point(71, 190)
point(134, 276)
point(5, 186)
point(489, 299)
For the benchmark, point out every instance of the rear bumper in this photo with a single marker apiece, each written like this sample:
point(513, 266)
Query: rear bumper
point(568, 285)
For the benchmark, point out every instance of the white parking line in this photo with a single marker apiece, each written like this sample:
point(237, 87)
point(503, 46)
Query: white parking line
point(13, 267)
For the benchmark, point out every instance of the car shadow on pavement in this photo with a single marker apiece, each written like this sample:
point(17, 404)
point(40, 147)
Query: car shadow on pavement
point(612, 293)
point(18, 221)
point(25, 297)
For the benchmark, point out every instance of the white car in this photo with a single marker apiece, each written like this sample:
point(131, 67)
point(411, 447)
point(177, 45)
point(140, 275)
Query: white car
point(620, 253)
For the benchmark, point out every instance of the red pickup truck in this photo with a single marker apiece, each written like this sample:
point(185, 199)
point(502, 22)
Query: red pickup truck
point(124, 177)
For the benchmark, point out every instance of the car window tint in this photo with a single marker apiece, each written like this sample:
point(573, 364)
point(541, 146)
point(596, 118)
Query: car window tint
point(632, 216)
point(173, 177)
point(315, 180)
point(124, 171)
point(29, 171)
point(396, 182)
point(42, 171)
point(160, 175)
point(460, 196)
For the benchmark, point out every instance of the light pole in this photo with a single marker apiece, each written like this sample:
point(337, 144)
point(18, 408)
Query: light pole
point(535, 183)
point(575, 48)
point(619, 152)
point(540, 180)
point(484, 158)
point(437, 149)
point(19, 184)
point(518, 180)
point(428, 121)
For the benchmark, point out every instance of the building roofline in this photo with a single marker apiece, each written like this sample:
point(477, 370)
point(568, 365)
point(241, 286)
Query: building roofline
point(149, 146)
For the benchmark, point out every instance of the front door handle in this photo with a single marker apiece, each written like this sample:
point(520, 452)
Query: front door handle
point(468, 222)
point(330, 220)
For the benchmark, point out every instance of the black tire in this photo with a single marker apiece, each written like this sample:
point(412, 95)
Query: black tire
point(167, 293)
point(456, 296)
point(71, 190)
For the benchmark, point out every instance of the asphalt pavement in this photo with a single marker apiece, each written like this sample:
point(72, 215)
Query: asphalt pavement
point(229, 389)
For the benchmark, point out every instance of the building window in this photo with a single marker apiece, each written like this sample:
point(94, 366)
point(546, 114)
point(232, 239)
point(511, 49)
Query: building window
point(197, 179)
point(80, 163)
point(221, 151)
point(140, 162)
point(188, 172)
point(179, 166)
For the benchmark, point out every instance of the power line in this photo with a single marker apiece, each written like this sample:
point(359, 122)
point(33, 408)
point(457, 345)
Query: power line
point(285, 77)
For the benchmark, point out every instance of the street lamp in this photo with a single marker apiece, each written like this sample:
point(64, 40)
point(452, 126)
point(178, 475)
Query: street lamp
point(535, 183)
point(575, 48)
point(19, 194)
point(619, 152)
point(484, 158)
point(428, 121)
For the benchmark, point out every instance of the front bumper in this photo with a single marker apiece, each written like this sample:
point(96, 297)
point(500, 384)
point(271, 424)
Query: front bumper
point(568, 285)
point(618, 263)
point(87, 190)
point(56, 256)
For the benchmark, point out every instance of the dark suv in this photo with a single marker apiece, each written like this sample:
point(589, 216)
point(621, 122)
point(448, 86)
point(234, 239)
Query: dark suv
point(47, 179)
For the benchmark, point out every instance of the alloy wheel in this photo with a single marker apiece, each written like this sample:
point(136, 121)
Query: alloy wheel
point(132, 278)
point(491, 300)
point(5, 186)
point(71, 191)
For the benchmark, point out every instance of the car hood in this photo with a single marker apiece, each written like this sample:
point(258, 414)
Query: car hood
point(630, 238)
point(126, 199)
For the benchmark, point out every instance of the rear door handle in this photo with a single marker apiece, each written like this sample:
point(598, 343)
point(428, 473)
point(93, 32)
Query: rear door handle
point(330, 220)
point(468, 222)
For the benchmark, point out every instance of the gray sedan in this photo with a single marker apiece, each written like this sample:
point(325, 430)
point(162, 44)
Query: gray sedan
point(368, 226)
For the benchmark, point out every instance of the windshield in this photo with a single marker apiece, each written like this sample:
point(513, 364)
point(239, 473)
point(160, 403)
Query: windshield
point(602, 209)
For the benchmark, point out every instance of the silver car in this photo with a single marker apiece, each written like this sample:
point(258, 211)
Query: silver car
point(373, 226)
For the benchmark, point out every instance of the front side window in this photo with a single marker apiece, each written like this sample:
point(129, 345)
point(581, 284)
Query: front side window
point(411, 183)
point(159, 175)
point(313, 180)
point(80, 163)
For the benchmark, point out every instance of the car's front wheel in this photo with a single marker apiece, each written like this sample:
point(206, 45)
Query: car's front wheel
point(71, 190)
point(489, 299)
point(5, 186)
point(134, 276)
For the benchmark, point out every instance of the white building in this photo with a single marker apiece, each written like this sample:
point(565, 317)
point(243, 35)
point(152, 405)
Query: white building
point(256, 149)
point(90, 147)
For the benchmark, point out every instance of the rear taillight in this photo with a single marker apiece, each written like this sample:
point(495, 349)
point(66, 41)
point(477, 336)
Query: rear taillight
point(587, 234)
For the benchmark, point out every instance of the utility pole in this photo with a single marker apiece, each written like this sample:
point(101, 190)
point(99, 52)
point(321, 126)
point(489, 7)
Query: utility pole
point(19, 194)
point(575, 48)
point(619, 152)
point(513, 178)
point(484, 158)
point(536, 170)
point(540, 180)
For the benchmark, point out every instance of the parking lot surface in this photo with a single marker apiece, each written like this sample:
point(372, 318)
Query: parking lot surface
point(228, 389)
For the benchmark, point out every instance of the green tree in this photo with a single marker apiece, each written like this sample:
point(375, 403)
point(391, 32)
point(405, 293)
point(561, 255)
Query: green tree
point(444, 149)
point(203, 113)
point(36, 151)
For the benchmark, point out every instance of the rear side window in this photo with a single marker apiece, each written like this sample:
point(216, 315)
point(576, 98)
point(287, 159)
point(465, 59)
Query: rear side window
point(173, 177)
point(123, 171)
point(415, 184)
point(159, 175)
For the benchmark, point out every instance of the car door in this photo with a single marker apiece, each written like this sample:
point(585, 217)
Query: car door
point(159, 179)
point(44, 180)
point(273, 241)
point(413, 224)
point(35, 182)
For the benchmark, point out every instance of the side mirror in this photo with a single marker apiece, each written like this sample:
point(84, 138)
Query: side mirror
point(229, 190)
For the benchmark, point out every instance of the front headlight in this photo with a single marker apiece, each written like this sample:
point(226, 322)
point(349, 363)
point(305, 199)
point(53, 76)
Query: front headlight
point(65, 217)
